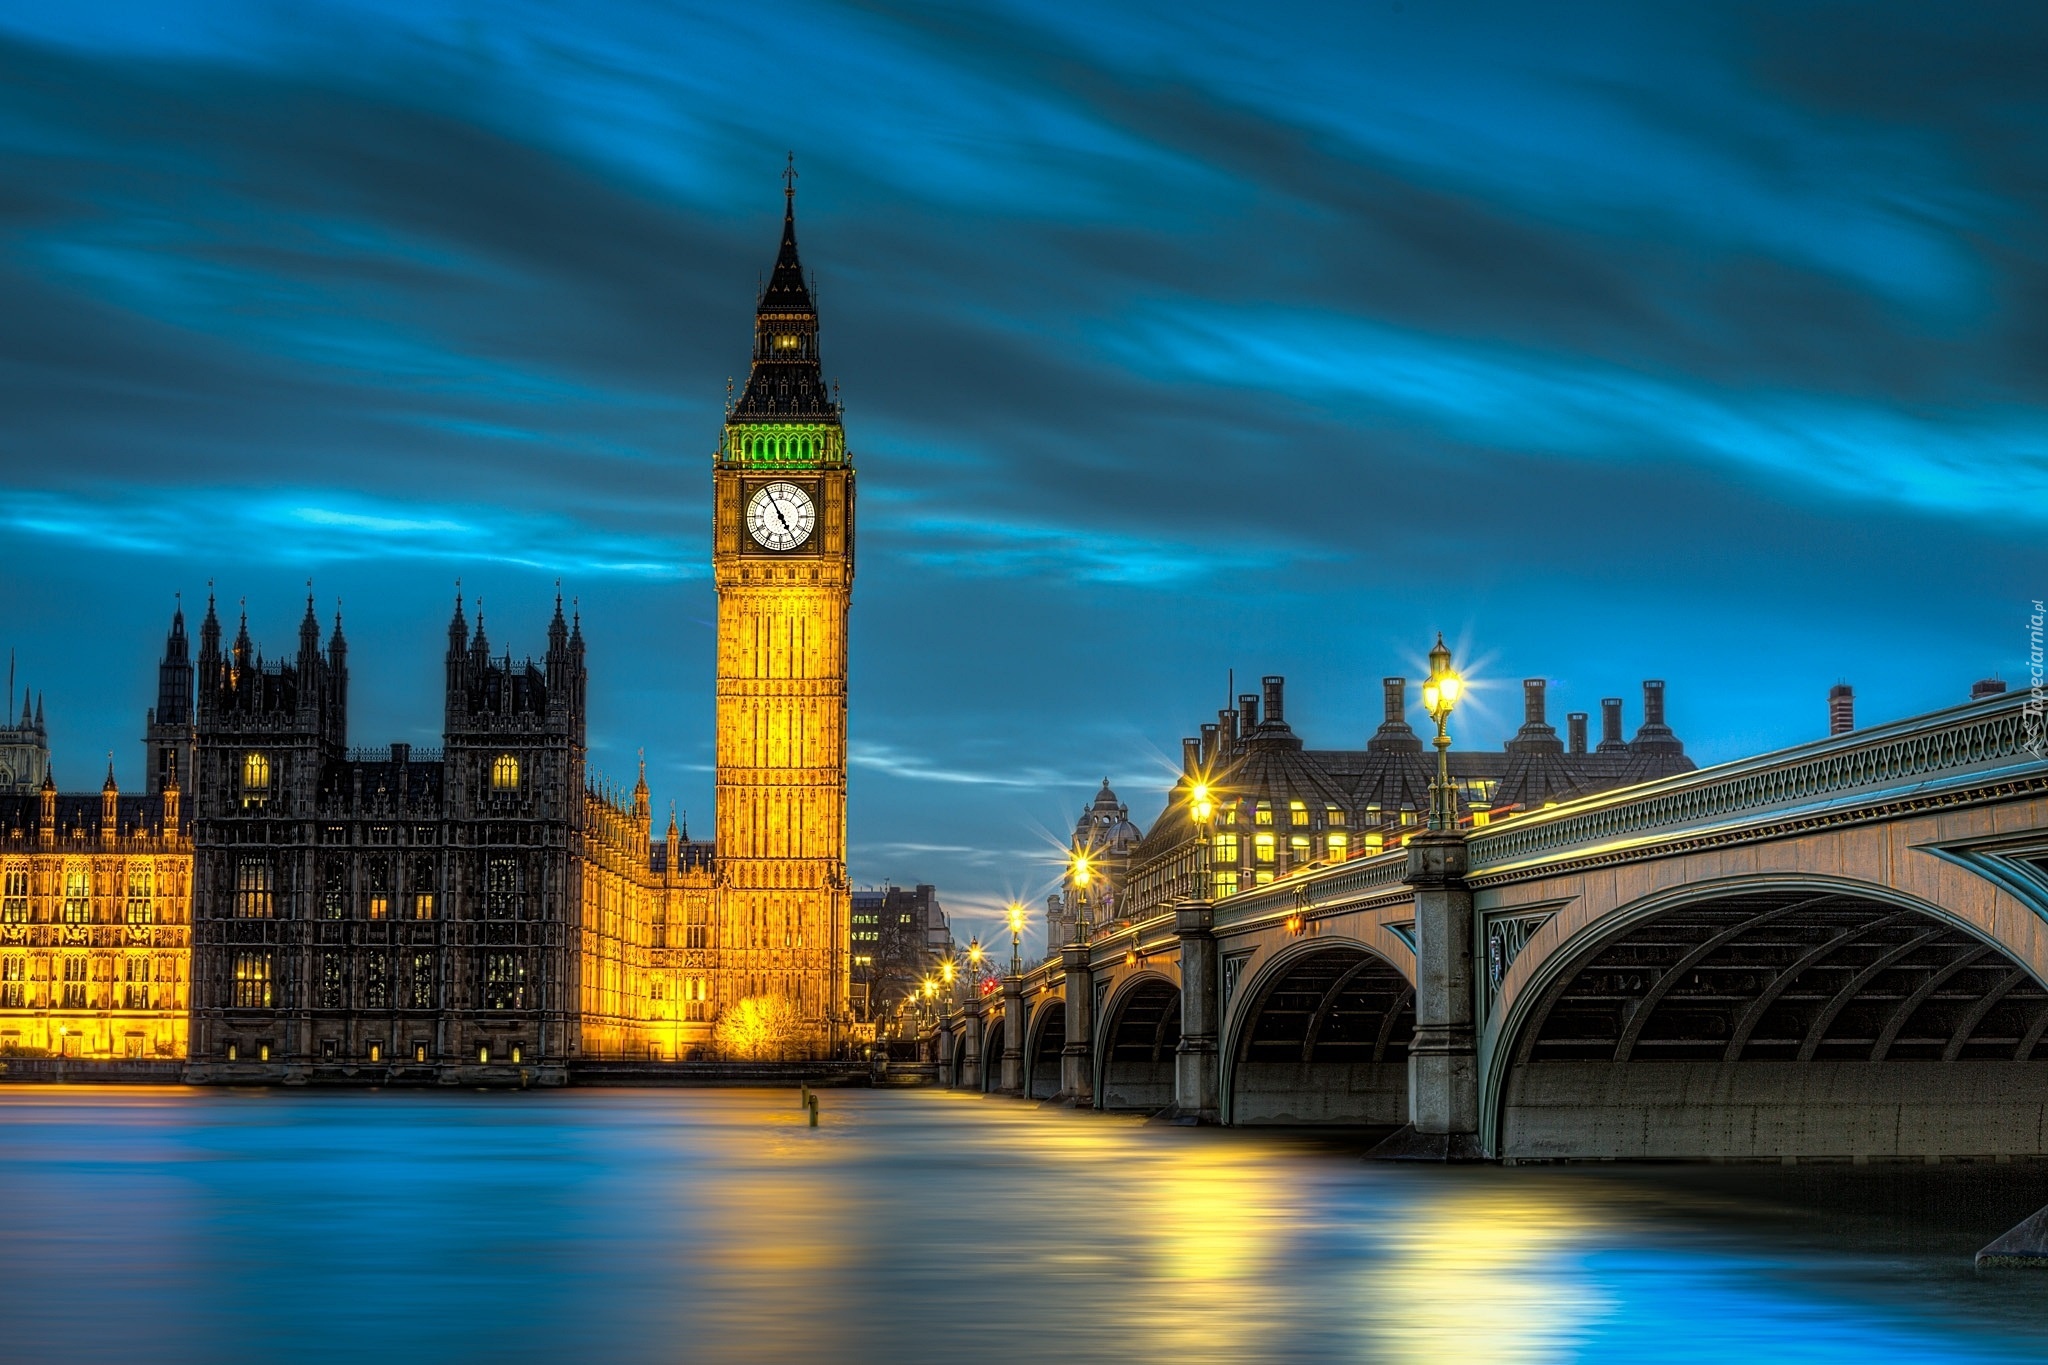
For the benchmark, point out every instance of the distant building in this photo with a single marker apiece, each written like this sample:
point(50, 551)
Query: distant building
point(900, 936)
point(95, 897)
point(1283, 806)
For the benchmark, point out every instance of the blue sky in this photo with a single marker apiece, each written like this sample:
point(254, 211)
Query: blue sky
point(1702, 342)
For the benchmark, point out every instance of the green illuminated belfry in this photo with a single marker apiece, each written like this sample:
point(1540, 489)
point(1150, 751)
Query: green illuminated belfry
point(786, 418)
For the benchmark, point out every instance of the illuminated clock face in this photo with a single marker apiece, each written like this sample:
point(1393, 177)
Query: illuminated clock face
point(780, 516)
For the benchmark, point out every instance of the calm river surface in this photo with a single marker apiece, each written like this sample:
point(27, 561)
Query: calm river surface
point(686, 1225)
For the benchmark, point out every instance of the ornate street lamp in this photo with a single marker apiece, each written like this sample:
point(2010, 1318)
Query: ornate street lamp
point(1016, 938)
point(974, 957)
point(1201, 806)
point(1081, 871)
point(1439, 694)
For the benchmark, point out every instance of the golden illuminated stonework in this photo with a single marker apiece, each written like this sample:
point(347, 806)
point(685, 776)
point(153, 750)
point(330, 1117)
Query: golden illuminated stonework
point(782, 560)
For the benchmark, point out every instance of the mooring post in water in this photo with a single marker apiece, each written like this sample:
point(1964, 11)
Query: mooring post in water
point(803, 1095)
point(812, 1101)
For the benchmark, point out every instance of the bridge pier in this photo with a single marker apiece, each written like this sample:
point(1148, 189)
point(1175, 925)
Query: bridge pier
point(1196, 1061)
point(1443, 1059)
point(1077, 1058)
point(970, 1034)
point(1013, 1035)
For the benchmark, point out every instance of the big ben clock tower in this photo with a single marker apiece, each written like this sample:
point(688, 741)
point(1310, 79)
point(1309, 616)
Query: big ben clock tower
point(782, 559)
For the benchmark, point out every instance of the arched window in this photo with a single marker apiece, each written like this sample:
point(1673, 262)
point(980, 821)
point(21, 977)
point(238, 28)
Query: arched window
point(505, 773)
point(255, 772)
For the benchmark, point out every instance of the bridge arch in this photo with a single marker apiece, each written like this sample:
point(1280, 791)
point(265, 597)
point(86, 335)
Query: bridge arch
point(1046, 1038)
point(1321, 1038)
point(993, 1043)
point(1135, 1042)
point(1771, 1016)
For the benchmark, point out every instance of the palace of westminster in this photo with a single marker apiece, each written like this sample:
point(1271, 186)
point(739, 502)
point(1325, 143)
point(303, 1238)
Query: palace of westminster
point(277, 906)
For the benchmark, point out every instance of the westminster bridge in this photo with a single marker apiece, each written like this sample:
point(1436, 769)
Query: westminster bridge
point(1835, 950)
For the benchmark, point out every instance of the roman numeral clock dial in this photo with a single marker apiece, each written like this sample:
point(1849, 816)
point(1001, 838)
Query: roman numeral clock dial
point(780, 516)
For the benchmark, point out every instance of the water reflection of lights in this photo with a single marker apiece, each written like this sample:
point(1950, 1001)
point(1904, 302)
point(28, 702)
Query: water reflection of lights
point(1484, 1275)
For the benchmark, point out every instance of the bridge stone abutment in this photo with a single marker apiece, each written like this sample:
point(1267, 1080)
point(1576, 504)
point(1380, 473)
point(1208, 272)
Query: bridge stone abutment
point(1077, 1053)
point(1443, 1060)
point(968, 1075)
point(1197, 1064)
point(1012, 1074)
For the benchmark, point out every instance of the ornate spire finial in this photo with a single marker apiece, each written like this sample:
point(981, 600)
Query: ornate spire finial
point(789, 179)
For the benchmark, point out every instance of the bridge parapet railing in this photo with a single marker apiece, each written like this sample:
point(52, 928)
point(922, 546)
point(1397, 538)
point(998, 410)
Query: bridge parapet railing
point(1969, 740)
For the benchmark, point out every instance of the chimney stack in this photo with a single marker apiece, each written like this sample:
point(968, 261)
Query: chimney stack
point(1535, 736)
point(1575, 726)
point(1841, 709)
point(1653, 736)
point(1211, 734)
point(1985, 687)
point(1191, 756)
point(1247, 714)
point(1611, 741)
point(1276, 712)
point(1394, 733)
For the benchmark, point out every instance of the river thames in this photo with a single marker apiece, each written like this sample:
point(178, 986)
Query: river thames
point(671, 1225)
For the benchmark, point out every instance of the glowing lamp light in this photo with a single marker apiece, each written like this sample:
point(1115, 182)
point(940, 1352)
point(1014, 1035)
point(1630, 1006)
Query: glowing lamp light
point(1440, 691)
point(1201, 803)
point(1081, 869)
point(946, 970)
point(1016, 918)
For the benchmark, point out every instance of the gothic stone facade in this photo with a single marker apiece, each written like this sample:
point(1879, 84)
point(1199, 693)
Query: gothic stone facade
point(402, 915)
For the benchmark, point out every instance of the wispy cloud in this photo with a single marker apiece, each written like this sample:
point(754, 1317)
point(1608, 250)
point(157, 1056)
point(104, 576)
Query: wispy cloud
point(896, 762)
point(243, 525)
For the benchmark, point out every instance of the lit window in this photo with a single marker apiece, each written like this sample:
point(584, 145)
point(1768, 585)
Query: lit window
point(253, 886)
point(504, 981)
point(1262, 848)
point(14, 896)
point(505, 773)
point(1481, 816)
point(784, 341)
point(376, 984)
point(1263, 876)
point(1225, 853)
point(423, 905)
point(1225, 884)
point(1340, 846)
point(74, 983)
point(77, 896)
point(1297, 814)
point(1297, 848)
point(135, 984)
point(376, 1052)
point(1407, 815)
point(13, 971)
point(252, 981)
point(1374, 842)
point(1333, 816)
point(1263, 815)
point(140, 908)
point(380, 906)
